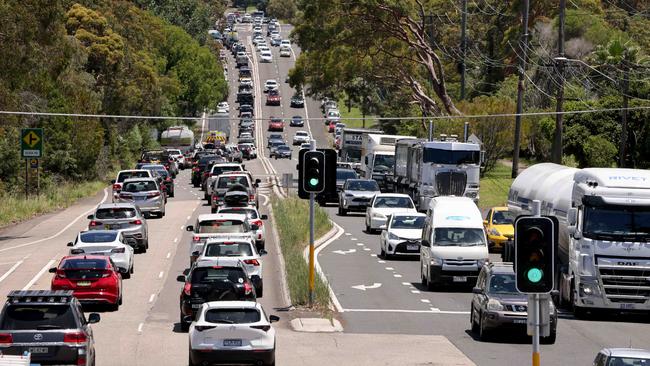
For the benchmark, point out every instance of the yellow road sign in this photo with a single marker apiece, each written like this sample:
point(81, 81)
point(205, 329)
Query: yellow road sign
point(31, 139)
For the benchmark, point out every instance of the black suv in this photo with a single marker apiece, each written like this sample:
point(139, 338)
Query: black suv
point(197, 170)
point(50, 325)
point(223, 279)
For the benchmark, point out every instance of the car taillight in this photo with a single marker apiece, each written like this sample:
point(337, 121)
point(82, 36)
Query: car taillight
point(154, 194)
point(136, 222)
point(117, 250)
point(81, 360)
point(259, 223)
point(196, 238)
point(261, 327)
point(254, 262)
point(252, 197)
point(205, 174)
point(248, 289)
point(75, 337)
point(6, 338)
point(94, 223)
point(200, 328)
point(117, 186)
point(187, 288)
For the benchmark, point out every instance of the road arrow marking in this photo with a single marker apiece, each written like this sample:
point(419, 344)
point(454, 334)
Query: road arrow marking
point(344, 252)
point(364, 287)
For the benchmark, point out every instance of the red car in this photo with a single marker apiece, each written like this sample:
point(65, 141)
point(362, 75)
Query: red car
point(94, 279)
point(273, 97)
point(332, 127)
point(276, 124)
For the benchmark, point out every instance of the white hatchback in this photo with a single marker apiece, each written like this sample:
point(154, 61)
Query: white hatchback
point(266, 56)
point(403, 234)
point(110, 243)
point(301, 137)
point(232, 331)
point(270, 84)
point(385, 204)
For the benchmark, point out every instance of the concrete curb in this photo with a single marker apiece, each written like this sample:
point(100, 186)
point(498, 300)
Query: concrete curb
point(316, 325)
point(283, 270)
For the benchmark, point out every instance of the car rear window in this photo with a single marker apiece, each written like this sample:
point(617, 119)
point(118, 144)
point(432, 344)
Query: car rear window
point(227, 182)
point(22, 317)
point(393, 202)
point(228, 250)
point(142, 186)
point(232, 316)
point(218, 170)
point(98, 237)
point(126, 175)
point(217, 273)
point(84, 263)
point(407, 222)
point(250, 213)
point(221, 226)
point(115, 213)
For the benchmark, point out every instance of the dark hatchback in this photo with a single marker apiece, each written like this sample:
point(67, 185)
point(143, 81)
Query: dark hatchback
point(197, 170)
point(342, 175)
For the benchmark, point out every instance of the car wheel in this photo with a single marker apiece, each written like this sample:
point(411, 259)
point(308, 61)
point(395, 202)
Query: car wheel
point(184, 325)
point(126, 275)
point(206, 197)
point(483, 333)
point(213, 210)
point(382, 252)
point(259, 292)
point(367, 228)
point(472, 322)
point(172, 194)
point(132, 269)
point(423, 278)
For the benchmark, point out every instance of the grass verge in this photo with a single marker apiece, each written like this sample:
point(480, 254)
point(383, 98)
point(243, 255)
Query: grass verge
point(354, 112)
point(15, 208)
point(494, 186)
point(291, 216)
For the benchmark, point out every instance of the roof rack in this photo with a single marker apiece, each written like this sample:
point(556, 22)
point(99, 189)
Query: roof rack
point(40, 296)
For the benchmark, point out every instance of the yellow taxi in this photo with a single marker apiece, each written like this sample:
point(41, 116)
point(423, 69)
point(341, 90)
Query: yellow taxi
point(499, 227)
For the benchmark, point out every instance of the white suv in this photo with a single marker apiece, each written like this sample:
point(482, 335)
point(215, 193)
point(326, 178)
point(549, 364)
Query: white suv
point(383, 205)
point(270, 85)
point(237, 331)
point(301, 137)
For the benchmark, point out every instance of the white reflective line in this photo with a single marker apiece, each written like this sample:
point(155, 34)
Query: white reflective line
point(160, 275)
point(188, 217)
point(266, 199)
point(373, 255)
point(182, 226)
point(355, 239)
point(169, 254)
point(348, 234)
point(39, 274)
point(13, 268)
point(140, 327)
point(366, 249)
point(380, 261)
point(437, 311)
point(62, 230)
point(175, 240)
point(152, 297)
point(389, 268)
point(360, 244)
point(396, 275)
point(415, 291)
point(426, 301)
point(406, 283)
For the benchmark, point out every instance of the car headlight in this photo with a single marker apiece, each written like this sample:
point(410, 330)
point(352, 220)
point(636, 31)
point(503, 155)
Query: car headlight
point(494, 305)
point(392, 236)
point(495, 232)
point(435, 261)
point(379, 216)
point(471, 194)
point(481, 262)
point(427, 191)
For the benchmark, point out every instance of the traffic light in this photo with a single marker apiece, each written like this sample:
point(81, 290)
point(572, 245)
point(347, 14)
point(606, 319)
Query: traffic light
point(313, 174)
point(535, 254)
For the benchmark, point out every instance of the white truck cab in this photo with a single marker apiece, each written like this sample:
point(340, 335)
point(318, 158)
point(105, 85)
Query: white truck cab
point(454, 246)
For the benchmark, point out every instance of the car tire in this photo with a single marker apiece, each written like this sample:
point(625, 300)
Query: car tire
point(132, 270)
point(483, 333)
point(184, 326)
point(367, 228)
point(189, 356)
point(473, 324)
point(172, 194)
point(206, 197)
point(382, 252)
point(548, 340)
point(259, 292)
point(213, 210)
point(126, 275)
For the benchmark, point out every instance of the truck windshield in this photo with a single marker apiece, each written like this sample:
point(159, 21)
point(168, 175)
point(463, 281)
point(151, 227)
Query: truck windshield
point(384, 163)
point(439, 156)
point(456, 236)
point(617, 223)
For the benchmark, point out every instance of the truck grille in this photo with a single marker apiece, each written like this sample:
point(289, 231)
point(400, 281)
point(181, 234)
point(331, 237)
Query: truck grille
point(626, 284)
point(451, 183)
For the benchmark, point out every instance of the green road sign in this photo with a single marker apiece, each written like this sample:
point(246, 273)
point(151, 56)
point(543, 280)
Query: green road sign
point(31, 143)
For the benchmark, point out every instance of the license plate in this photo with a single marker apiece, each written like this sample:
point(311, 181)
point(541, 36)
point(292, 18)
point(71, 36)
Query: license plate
point(232, 342)
point(37, 349)
point(627, 306)
point(412, 247)
point(107, 227)
point(460, 279)
point(140, 198)
point(83, 283)
point(519, 321)
point(196, 306)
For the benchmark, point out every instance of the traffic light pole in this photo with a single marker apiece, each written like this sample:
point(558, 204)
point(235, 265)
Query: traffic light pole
point(536, 211)
point(311, 239)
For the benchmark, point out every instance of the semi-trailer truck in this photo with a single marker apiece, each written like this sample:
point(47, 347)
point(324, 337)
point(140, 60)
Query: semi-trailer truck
point(603, 251)
point(378, 158)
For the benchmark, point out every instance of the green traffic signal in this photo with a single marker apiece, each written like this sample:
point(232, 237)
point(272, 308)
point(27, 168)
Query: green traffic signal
point(313, 182)
point(534, 275)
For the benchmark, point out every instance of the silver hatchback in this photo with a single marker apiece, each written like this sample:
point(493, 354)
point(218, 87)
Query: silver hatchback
point(126, 218)
point(145, 193)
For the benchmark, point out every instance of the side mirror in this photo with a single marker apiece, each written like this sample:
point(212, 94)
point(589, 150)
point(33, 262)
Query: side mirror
point(383, 227)
point(243, 166)
point(274, 318)
point(90, 217)
point(180, 278)
point(258, 181)
point(485, 222)
point(70, 244)
point(425, 243)
point(188, 319)
point(263, 252)
point(93, 318)
point(195, 253)
point(112, 181)
point(365, 160)
point(477, 290)
point(189, 228)
point(52, 270)
point(122, 270)
point(572, 216)
point(264, 217)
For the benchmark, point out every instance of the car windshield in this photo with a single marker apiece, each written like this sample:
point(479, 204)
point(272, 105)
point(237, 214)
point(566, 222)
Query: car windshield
point(455, 236)
point(98, 237)
point(115, 213)
point(221, 226)
point(283, 148)
point(84, 263)
point(250, 213)
point(232, 316)
point(627, 361)
point(502, 218)
point(228, 250)
point(302, 134)
point(126, 175)
point(407, 222)
point(227, 182)
point(217, 274)
point(345, 174)
point(142, 186)
point(617, 223)
point(440, 156)
point(393, 202)
point(502, 284)
point(218, 170)
point(31, 317)
point(384, 162)
point(363, 185)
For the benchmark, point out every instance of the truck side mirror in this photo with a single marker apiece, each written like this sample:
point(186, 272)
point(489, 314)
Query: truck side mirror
point(365, 160)
point(572, 216)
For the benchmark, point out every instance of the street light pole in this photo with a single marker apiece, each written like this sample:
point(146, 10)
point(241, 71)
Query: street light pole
point(523, 47)
point(559, 117)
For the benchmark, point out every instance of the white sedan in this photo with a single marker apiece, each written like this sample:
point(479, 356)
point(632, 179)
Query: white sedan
point(237, 331)
point(224, 105)
point(285, 52)
point(266, 56)
point(270, 85)
point(403, 234)
point(385, 204)
point(110, 243)
point(301, 137)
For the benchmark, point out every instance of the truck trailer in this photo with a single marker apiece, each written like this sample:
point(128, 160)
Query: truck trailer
point(378, 158)
point(603, 256)
point(426, 169)
point(178, 137)
point(351, 141)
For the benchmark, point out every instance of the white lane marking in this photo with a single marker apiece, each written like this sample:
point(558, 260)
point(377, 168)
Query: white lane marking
point(140, 327)
point(406, 283)
point(389, 268)
point(13, 268)
point(175, 240)
point(380, 261)
point(182, 226)
point(360, 244)
point(62, 230)
point(153, 296)
point(344, 252)
point(397, 275)
point(373, 255)
point(437, 311)
point(364, 287)
point(169, 254)
point(39, 274)
point(348, 234)
point(266, 199)
point(355, 239)
point(335, 300)
point(415, 291)
point(188, 217)
point(426, 301)
point(160, 275)
point(366, 249)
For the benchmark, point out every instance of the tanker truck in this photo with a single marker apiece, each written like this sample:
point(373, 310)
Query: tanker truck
point(603, 251)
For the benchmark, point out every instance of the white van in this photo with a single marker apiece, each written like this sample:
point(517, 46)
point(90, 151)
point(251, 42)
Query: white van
point(454, 246)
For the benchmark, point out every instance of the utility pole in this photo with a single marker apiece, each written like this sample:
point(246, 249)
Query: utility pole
point(463, 48)
point(523, 47)
point(626, 89)
point(559, 117)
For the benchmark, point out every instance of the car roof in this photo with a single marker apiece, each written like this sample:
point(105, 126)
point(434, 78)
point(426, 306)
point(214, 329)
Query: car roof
point(116, 205)
point(83, 256)
point(99, 232)
point(407, 213)
point(146, 179)
point(626, 352)
point(391, 195)
point(132, 171)
point(222, 216)
point(233, 305)
point(500, 267)
point(220, 261)
point(242, 237)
